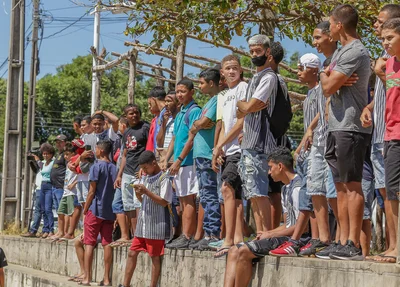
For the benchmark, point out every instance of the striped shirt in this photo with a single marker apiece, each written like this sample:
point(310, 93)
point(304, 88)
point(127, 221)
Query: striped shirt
point(379, 108)
point(321, 130)
point(291, 199)
point(169, 132)
point(256, 132)
point(154, 221)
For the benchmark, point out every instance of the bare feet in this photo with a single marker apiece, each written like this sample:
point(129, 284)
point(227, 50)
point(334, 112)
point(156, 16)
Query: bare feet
point(389, 257)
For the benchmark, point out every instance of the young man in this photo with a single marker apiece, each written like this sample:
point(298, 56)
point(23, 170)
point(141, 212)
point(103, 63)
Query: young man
point(227, 153)
point(347, 140)
point(134, 139)
point(240, 258)
point(99, 216)
point(57, 174)
point(77, 125)
point(3, 263)
point(257, 137)
point(154, 226)
point(377, 108)
point(156, 102)
point(183, 167)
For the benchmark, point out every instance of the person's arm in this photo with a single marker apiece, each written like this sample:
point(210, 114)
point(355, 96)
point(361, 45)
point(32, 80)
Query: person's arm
point(90, 196)
point(254, 105)
point(218, 128)
point(141, 189)
point(332, 81)
point(113, 119)
point(232, 134)
point(161, 133)
point(204, 123)
point(277, 232)
point(173, 170)
point(117, 183)
point(366, 115)
point(170, 152)
point(308, 136)
point(2, 277)
point(380, 69)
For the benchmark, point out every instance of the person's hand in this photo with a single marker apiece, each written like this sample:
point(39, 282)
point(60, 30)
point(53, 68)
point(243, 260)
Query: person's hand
point(240, 138)
point(85, 211)
point(166, 116)
point(140, 188)
point(71, 166)
point(295, 157)
point(327, 71)
point(366, 118)
point(220, 160)
point(352, 80)
point(36, 157)
point(117, 183)
point(71, 186)
point(209, 125)
point(380, 65)
point(139, 174)
point(214, 164)
point(163, 165)
point(240, 114)
point(87, 154)
point(174, 169)
point(217, 150)
point(309, 139)
point(99, 112)
point(263, 235)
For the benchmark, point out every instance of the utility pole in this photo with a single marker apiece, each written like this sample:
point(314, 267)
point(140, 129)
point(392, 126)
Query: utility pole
point(95, 75)
point(12, 154)
point(30, 123)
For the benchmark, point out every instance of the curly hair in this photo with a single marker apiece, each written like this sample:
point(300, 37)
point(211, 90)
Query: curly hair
point(46, 147)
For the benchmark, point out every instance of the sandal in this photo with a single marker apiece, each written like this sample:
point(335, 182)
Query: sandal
point(222, 251)
point(102, 283)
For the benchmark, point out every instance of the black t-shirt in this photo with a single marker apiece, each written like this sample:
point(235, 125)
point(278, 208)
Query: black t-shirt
point(135, 139)
point(57, 174)
point(3, 259)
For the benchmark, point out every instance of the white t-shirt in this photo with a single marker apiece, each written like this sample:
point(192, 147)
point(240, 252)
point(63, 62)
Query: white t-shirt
point(70, 177)
point(229, 119)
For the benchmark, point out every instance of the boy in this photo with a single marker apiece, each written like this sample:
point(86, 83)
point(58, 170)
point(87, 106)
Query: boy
point(229, 149)
point(240, 257)
point(183, 168)
point(156, 102)
point(154, 224)
point(99, 216)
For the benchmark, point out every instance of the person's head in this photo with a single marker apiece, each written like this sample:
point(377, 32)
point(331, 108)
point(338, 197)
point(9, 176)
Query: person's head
point(156, 95)
point(171, 102)
point(259, 46)
point(280, 161)
point(86, 125)
point(133, 114)
point(103, 149)
point(231, 69)
point(276, 56)
point(308, 68)
point(60, 142)
point(387, 12)
point(322, 39)
point(343, 20)
point(391, 37)
point(209, 81)
point(69, 151)
point(98, 122)
point(148, 163)
point(185, 91)
point(77, 125)
point(47, 151)
point(122, 124)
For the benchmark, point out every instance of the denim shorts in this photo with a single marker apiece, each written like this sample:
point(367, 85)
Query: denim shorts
point(82, 189)
point(331, 192)
point(318, 170)
point(129, 199)
point(302, 168)
point(368, 190)
point(378, 165)
point(117, 206)
point(253, 169)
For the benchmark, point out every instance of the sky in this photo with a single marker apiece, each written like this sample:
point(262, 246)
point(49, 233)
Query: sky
point(64, 40)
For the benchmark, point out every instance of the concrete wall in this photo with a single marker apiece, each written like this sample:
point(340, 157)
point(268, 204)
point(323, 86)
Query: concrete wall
point(195, 269)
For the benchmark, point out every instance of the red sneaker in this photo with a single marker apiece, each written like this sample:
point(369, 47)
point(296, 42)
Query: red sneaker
point(288, 248)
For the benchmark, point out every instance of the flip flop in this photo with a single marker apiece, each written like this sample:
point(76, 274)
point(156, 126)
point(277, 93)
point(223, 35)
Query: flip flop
point(84, 284)
point(222, 251)
point(117, 243)
point(102, 283)
point(393, 259)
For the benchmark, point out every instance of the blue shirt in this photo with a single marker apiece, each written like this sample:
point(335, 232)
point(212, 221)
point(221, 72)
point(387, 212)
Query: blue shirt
point(104, 174)
point(181, 132)
point(46, 170)
point(204, 140)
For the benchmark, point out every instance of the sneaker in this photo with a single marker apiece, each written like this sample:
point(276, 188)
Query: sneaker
point(324, 253)
point(180, 242)
point(289, 249)
point(348, 252)
point(312, 247)
point(28, 234)
point(194, 244)
point(216, 245)
point(203, 244)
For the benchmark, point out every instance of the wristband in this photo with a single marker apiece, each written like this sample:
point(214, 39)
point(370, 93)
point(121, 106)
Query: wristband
point(180, 159)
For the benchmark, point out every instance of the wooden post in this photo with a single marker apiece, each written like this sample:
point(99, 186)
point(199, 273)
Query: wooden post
point(132, 76)
point(180, 58)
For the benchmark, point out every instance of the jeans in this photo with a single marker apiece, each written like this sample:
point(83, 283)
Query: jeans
point(302, 169)
point(117, 206)
point(57, 194)
point(46, 201)
point(209, 197)
point(37, 213)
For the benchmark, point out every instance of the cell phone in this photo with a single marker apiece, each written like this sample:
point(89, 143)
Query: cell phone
point(88, 147)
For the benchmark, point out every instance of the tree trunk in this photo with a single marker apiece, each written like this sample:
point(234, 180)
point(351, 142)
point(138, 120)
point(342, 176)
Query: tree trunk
point(132, 76)
point(180, 58)
point(267, 26)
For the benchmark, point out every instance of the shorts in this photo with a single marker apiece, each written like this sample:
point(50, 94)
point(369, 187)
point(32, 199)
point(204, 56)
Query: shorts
point(219, 188)
point(82, 188)
point(302, 169)
point(68, 204)
point(253, 169)
point(318, 174)
point(117, 205)
point(262, 247)
point(368, 190)
point(345, 154)
point(93, 226)
point(378, 163)
point(331, 193)
point(154, 247)
point(129, 199)
point(186, 182)
point(230, 174)
point(392, 168)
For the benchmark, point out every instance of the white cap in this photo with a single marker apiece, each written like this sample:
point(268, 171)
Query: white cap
point(310, 60)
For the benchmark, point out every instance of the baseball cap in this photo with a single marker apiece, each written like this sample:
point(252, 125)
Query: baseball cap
point(61, 138)
point(310, 60)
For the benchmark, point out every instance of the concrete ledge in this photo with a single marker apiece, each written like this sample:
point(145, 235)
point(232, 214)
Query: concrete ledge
point(197, 269)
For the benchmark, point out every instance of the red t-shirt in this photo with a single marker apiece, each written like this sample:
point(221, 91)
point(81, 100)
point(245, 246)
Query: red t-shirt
point(150, 139)
point(392, 112)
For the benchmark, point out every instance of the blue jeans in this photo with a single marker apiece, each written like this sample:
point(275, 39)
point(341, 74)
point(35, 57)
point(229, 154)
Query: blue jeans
point(37, 213)
point(209, 197)
point(57, 194)
point(302, 168)
point(46, 201)
point(117, 206)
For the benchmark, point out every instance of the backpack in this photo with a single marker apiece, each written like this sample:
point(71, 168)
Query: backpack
point(186, 119)
point(282, 114)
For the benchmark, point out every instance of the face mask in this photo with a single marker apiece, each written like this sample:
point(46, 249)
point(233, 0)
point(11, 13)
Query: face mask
point(259, 61)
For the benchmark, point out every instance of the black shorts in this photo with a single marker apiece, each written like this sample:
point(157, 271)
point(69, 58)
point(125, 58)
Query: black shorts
point(391, 156)
point(230, 173)
point(345, 154)
point(262, 247)
point(274, 187)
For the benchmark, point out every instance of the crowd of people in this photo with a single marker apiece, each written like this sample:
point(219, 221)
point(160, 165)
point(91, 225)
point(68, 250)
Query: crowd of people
point(183, 181)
